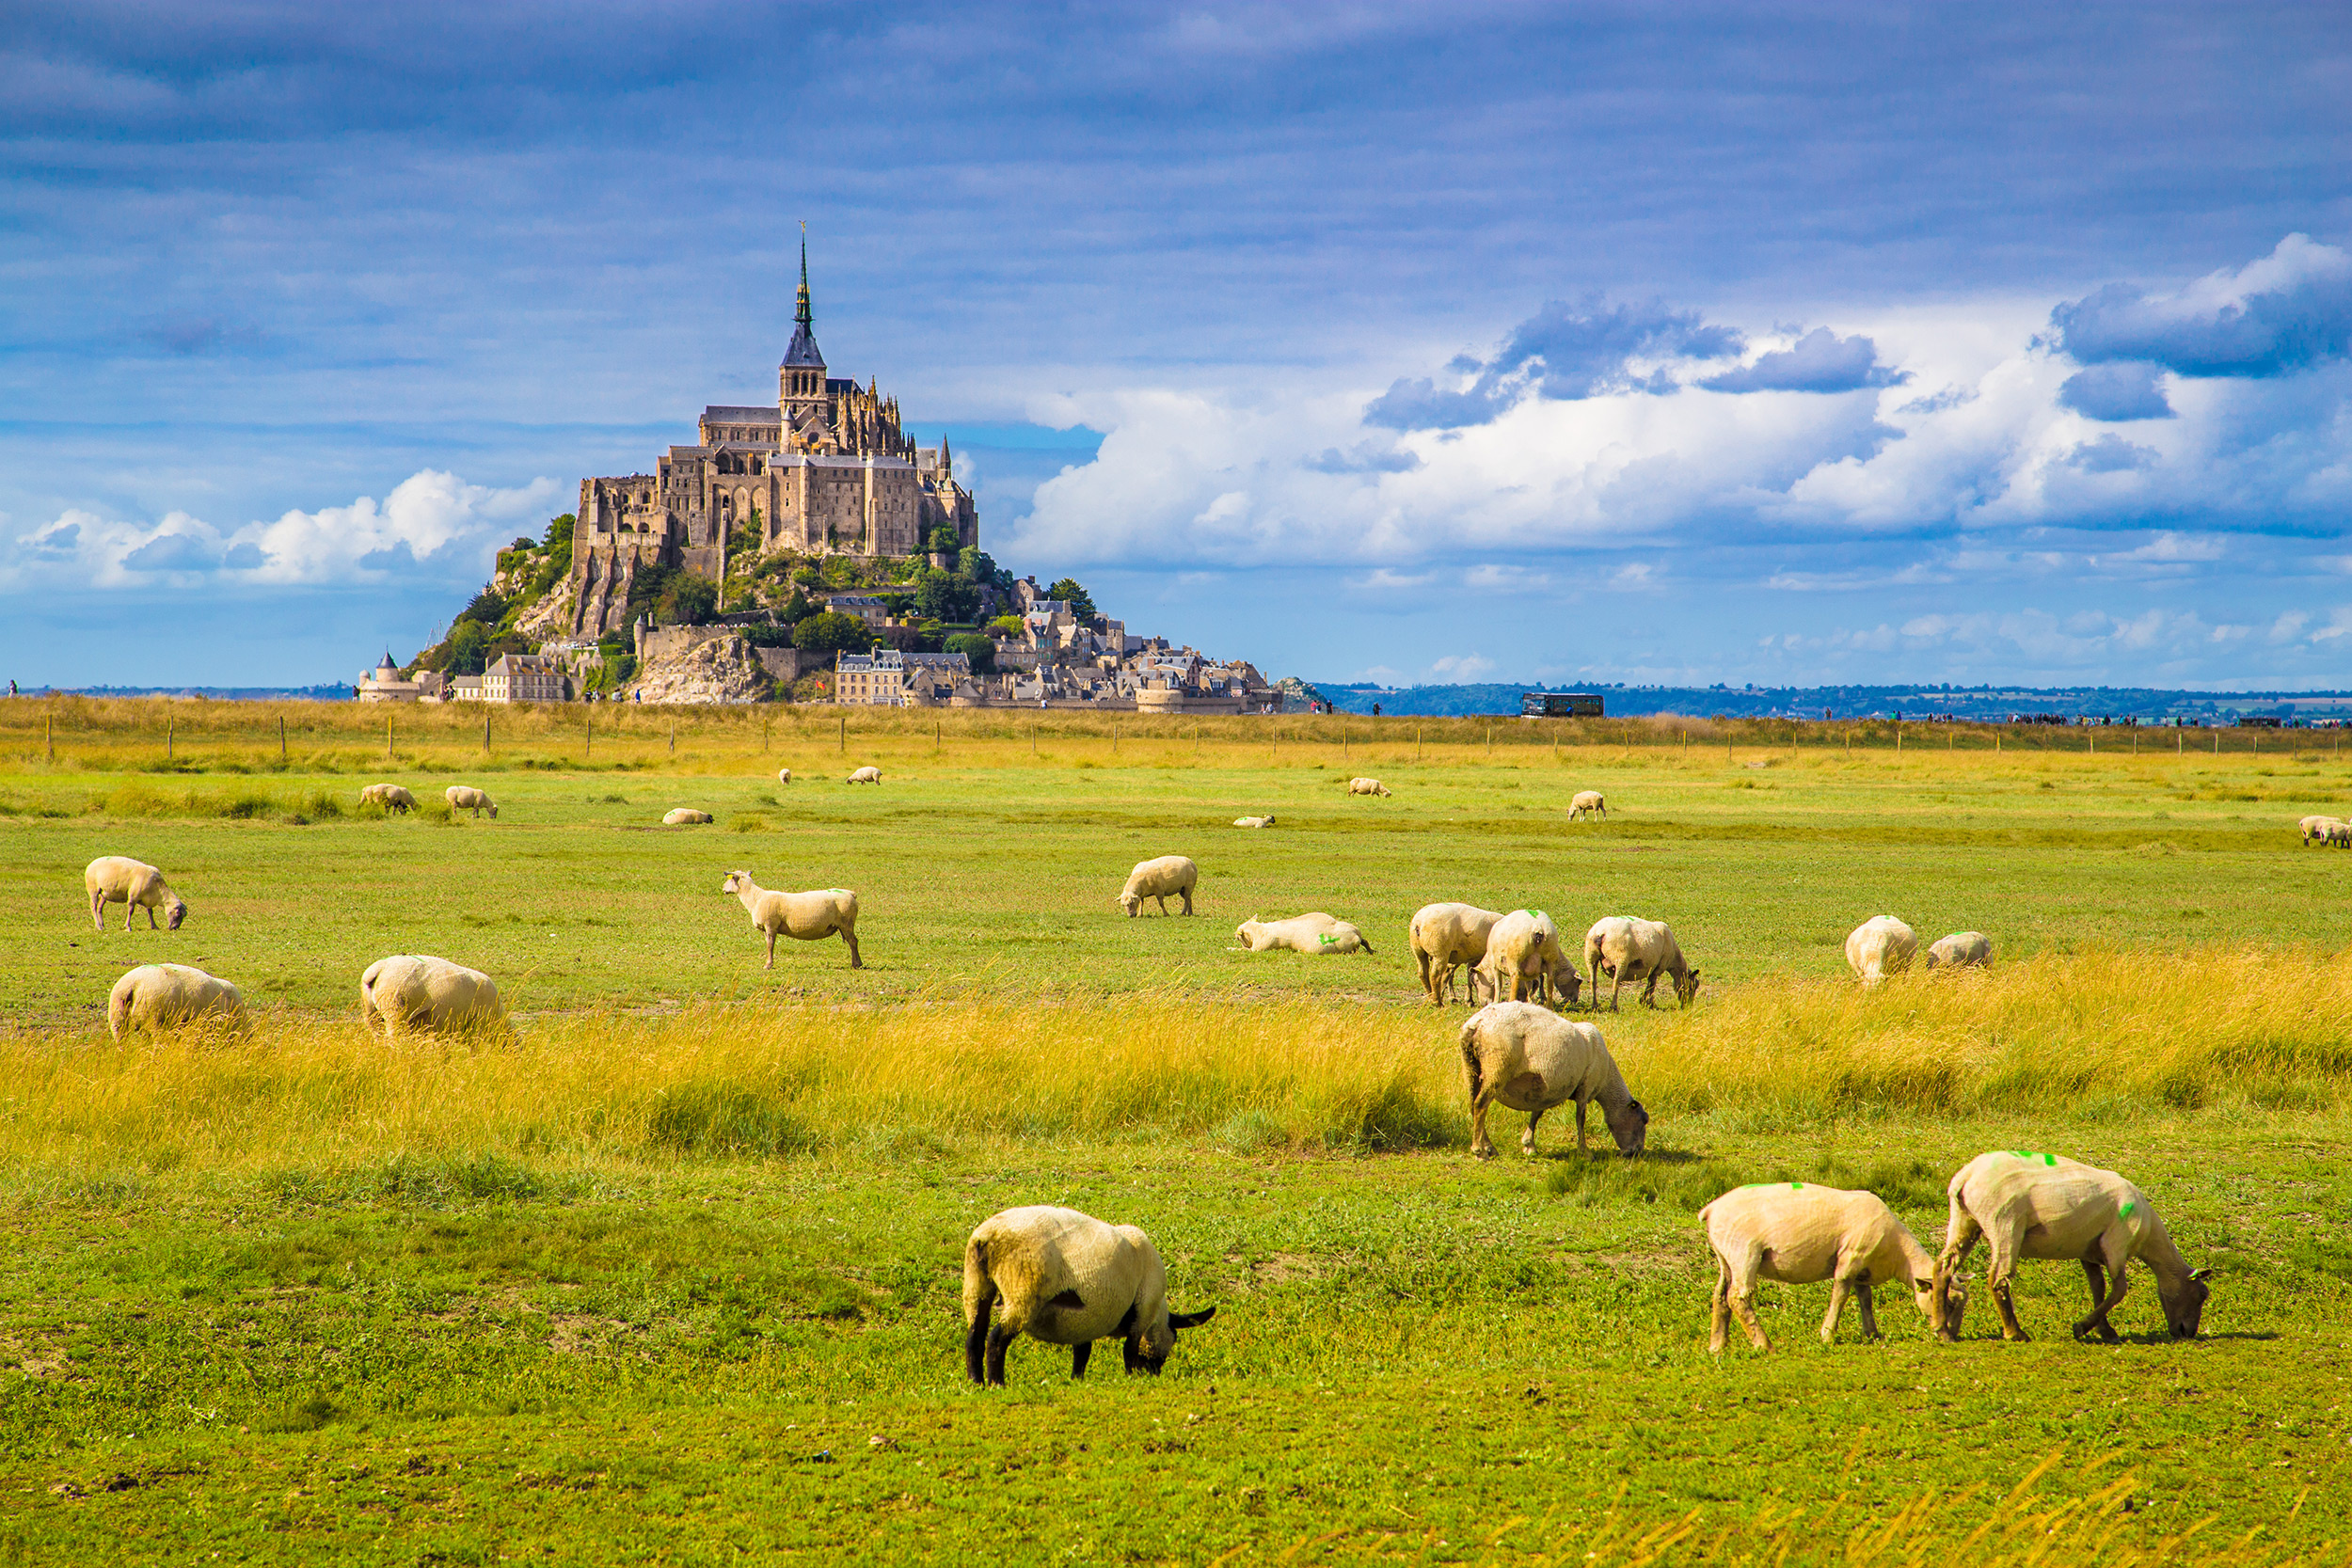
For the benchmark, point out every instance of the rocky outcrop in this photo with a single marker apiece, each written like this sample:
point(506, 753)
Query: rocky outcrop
point(723, 670)
point(550, 617)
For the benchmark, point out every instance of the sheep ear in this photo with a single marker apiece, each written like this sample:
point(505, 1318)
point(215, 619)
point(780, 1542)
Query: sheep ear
point(2201, 1275)
point(1191, 1320)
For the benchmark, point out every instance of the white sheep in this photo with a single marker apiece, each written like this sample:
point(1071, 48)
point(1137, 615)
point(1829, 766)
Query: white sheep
point(1587, 802)
point(1524, 960)
point(2029, 1205)
point(1801, 1233)
point(1880, 946)
point(156, 997)
point(2338, 835)
point(2314, 830)
point(1253, 822)
point(1530, 1059)
point(134, 884)
point(1312, 932)
point(803, 916)
point(1445, 936)
point(1961, 950)
point(391, 797)
point(1157, 879)
point(1367, 786)
point(784, 775)
point(1624, 949)
point(1066, 1278)
point(467, 798)
point(867, 775)
point(417, 991)
point(684, 817)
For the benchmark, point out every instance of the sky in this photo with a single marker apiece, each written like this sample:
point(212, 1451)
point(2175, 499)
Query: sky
point(1644, 342)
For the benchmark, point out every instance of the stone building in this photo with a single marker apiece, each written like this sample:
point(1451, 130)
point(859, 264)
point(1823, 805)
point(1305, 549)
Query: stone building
point(523, 678)
point(826, 471)
point(386, 684)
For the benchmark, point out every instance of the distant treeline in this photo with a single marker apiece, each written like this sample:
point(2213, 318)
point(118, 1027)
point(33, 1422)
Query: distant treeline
point(1993, 703)
point(328, 691)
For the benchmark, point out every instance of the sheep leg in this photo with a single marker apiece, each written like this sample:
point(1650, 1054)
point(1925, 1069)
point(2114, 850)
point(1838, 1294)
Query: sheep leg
point(2004, 1269)
point(1163, 898)
point(1186, 894)
point(98, 902)
point(1649, 993)
point(1480, 1146)
point(976, 1348)
point(1870, 1309)
point(851, 937)
point(1839, 1287)
point(998, 1338)
point(1527, 1139)
point(1742, 1294)
point(1616, 982)
point(1579, 1126)
point(1719, 1332)
point(2118, 1283)
point(1079, 1354)
point(772, 950)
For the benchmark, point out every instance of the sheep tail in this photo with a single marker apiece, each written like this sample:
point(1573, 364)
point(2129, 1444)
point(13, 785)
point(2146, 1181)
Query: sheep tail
point(1472, 1068)
point(980, 1301)
point(118, 1012)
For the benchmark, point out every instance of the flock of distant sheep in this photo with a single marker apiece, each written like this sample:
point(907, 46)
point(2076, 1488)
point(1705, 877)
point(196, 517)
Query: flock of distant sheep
point(1065, 1278)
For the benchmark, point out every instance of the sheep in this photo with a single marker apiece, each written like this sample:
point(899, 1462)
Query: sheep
point(391, 797)
point(2029, 1205)
point(2338, 835)
point(1530, 1059)
point(1587, 802)
point(417, 991)
point(1066, 1278)
point(2314, 830)
point(1314, 932)
point(867, 775)
point(684, 817)
point(1625, 948)
point(1157, 879)
point(156, 997)
point(134, 884)
point(1801, 1233)
point(1253, 822)
point(467, 798)
point(1524, 958)
point(803, 916)
point(1880, 946)
point(1444, 938)
point(1368, 786)
point(784, 775)
point(1961, 950)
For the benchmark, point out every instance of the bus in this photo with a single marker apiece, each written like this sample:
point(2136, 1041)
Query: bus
point(1559, 705)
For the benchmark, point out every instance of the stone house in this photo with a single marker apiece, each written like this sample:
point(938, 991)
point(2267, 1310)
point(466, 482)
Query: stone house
point(523, 678)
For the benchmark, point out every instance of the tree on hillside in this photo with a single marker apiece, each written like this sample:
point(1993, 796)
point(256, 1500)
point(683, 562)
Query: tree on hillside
point(946, 596)
point(1081, 603)
point(691, 601)
point(831, 632)
point(980, 650)
point(486, 607)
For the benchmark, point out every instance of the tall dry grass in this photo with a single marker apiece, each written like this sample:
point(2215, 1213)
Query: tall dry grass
point(2099, 1032)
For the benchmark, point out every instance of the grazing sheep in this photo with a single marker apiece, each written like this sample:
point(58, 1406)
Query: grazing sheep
point(784, 775)
point(1524, 958)
point(2029, 1205)
point(1314, 932)
point(803, 916)
point(1157, 879)
point(1880, 946)
point(467, 798)
point(1588, 801)
point(391, 797)
point(156, 997)
point(415, 991)
point(1961, 950)
point(1444, 938)
point(2314, 829)
point(1253, 822)
point(134, 884)
point(1800, 1234)
point(867, 775)
point(685, 816)
point(1066, 1278)
point(1530, 1059)
point(1626, 949)
point(2338, 835)
point(1367, 786)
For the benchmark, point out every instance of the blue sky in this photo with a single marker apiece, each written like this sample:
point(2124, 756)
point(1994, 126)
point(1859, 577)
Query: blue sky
point(1679, 343)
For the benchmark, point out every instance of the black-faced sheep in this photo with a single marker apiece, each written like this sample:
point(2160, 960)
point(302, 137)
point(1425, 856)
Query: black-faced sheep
point(1066, 1278)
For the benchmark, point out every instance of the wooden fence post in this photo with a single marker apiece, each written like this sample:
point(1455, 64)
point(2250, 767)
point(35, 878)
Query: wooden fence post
point(170, 728)
point(49, 734)
point(282, 738)
point(486, 732)
point(388, 739)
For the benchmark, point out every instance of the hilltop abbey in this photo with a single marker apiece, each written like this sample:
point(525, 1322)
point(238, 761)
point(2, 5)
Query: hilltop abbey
point(824, 471)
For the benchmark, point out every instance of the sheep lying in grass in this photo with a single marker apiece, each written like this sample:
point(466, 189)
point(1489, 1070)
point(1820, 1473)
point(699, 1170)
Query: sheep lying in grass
point(1312, 932)
point(2029, 1205)
point(685, 816)
point(1880, 946)
point(1368, 786)
point(157, 997)
point(1253, 822)
point(1587, 802)
point(803, 916)
point(1445, 936)
point(389, 796)
point(467, 798)
point(415, 991)
point(1066, 1278)
point(1530, 1059)
point(1961, 950)
point(1157, 879)
point(1625, 948)
point(867, 775)
point(1800, 1234)
point(2314, 830)
point(784, 775)
point(1524, 960)
point(134, 884)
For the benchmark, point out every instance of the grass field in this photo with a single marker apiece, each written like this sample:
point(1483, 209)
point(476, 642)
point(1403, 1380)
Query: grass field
point(672, 1275)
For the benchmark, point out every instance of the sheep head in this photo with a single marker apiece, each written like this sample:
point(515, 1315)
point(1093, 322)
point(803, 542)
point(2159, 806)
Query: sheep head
point(1133, 905)
point(1629, 1127)
point(2185, 1304)
point(1686, 986)
point(1943, 1299)
point(178, 912)
point(1148, 1351)
point(736, 881)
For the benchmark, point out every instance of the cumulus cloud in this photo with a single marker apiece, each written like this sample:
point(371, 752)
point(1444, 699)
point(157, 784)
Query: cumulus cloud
point(1462, 666)
point(2113, 393)
point(2284, 313)
point(1821, 361)
point(1588, 349)
point(2109, 455)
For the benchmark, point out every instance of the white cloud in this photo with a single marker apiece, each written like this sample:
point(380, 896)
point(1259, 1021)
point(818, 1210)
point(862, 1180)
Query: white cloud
point(1462, 666)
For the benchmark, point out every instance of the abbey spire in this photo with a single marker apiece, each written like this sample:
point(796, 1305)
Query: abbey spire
point(803, 355)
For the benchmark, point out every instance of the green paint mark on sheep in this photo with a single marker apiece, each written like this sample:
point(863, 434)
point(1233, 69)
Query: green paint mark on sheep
point(2128, 1207)
point(2030, 1156)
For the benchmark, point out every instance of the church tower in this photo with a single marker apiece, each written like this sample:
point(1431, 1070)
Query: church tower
point(800, 379)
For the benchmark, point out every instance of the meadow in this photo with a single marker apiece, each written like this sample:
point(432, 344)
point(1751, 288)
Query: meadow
point(671, 1275)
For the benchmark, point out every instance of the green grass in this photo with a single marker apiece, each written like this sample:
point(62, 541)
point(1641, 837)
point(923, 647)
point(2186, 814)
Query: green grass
point(673, 1276)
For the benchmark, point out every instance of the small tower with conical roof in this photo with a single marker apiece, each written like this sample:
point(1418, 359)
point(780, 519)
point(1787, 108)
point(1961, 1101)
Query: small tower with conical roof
point(800, 379)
